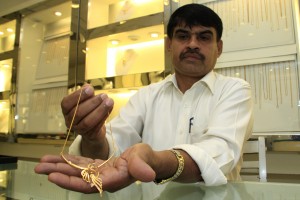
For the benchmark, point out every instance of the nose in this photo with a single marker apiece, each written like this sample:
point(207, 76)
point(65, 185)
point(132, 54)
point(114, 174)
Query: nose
point(193, 42)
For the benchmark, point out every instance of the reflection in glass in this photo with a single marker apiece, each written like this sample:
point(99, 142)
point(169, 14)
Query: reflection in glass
point(7, 36)
point(133, 52)
point(3, 180)
point(4, 116)
point(5, 75)
point(107, 12)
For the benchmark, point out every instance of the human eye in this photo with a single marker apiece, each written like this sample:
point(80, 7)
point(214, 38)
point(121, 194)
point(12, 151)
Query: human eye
point(206, 37)
point(182, 36)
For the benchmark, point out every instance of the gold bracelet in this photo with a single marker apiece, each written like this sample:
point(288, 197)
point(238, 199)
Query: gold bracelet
point(179, 169)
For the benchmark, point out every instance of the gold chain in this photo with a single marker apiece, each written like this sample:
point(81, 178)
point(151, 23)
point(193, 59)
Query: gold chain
point(90, 174)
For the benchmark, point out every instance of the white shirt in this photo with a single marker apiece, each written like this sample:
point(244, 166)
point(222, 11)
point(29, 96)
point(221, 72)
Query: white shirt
point(210, 121)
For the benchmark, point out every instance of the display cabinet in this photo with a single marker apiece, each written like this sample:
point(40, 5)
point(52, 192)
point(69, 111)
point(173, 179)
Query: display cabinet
point(9, 37)
point(43, 72)
point(125, 49)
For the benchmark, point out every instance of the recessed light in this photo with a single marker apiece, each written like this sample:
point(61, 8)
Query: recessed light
point(154, 34)
point(57, 13)
point(114, 42)
point(75, 5)
point(9, 30)
point(6, 65)
point(1, 33)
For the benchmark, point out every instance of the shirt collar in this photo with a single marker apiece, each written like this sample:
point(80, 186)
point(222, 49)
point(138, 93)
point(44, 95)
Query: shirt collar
point(208, 80)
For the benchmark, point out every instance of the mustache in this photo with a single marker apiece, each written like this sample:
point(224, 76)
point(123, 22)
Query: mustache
point(195, 52)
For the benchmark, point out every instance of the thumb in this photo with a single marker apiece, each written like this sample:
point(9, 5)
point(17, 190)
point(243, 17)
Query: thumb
point(140, 170)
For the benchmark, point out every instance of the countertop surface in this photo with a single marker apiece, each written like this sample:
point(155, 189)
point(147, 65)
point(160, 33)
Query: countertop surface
point(22, 183)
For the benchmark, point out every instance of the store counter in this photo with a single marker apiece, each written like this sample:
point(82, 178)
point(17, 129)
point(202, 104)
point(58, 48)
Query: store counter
point(23, 183)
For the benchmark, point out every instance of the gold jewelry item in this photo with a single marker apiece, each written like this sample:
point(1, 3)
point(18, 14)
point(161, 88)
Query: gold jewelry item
point(179, 169)
point(90, 174)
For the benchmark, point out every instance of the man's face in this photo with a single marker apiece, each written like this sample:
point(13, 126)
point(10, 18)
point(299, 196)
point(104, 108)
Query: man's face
point(194, 50)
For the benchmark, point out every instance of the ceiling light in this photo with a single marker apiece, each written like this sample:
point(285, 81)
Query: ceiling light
point(5, 65)
point(9, 30)
point(57, 13)
point(114, 42)
point(1, 33)
point(75, 5)
point(154, 34)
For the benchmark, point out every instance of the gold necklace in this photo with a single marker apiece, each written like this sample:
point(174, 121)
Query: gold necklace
point(90, 174)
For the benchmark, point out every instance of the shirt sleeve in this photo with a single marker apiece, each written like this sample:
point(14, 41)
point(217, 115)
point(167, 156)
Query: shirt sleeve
point(74, 148)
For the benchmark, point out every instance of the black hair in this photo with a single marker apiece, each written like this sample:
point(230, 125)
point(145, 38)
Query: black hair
point(192, 15)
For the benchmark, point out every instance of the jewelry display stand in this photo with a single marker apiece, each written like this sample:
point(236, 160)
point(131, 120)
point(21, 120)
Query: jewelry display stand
point(275, 90)
point(260, 46)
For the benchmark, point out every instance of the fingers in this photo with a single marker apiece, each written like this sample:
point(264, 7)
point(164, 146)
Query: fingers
point(71, 183)
point(78, 160)
point(70, 101)
point(51, 158)
point(48, 168)
point(51, 163)
point(63, 174)
point(91, 112)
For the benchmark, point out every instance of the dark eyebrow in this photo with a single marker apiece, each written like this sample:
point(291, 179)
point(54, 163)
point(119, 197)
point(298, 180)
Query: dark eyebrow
point(200, 32)
point(181, 31)
point(206, 32)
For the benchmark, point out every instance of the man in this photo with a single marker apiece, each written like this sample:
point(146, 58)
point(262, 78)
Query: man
point(204, 116)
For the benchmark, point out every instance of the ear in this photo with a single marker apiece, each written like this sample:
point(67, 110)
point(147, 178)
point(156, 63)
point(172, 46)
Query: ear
point(168, 44)
point(220, 47)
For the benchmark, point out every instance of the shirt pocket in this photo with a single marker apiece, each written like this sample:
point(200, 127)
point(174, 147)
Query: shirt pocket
point(197, 132)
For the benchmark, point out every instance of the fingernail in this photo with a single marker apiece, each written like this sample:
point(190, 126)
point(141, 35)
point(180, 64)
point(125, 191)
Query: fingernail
point(103, 96)
point(88, 90)
point(109, 102)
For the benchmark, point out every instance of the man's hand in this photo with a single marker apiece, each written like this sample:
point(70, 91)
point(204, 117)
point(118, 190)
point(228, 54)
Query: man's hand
point(89, 120)
point(116, 174)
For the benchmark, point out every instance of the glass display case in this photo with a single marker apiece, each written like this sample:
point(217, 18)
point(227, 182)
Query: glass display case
point(125, 49)
point(5, 74)
point(43, 72)
point(4, 116)
point(8, 38)
point(126, 53)
point(5, 87)
point(101, 13)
